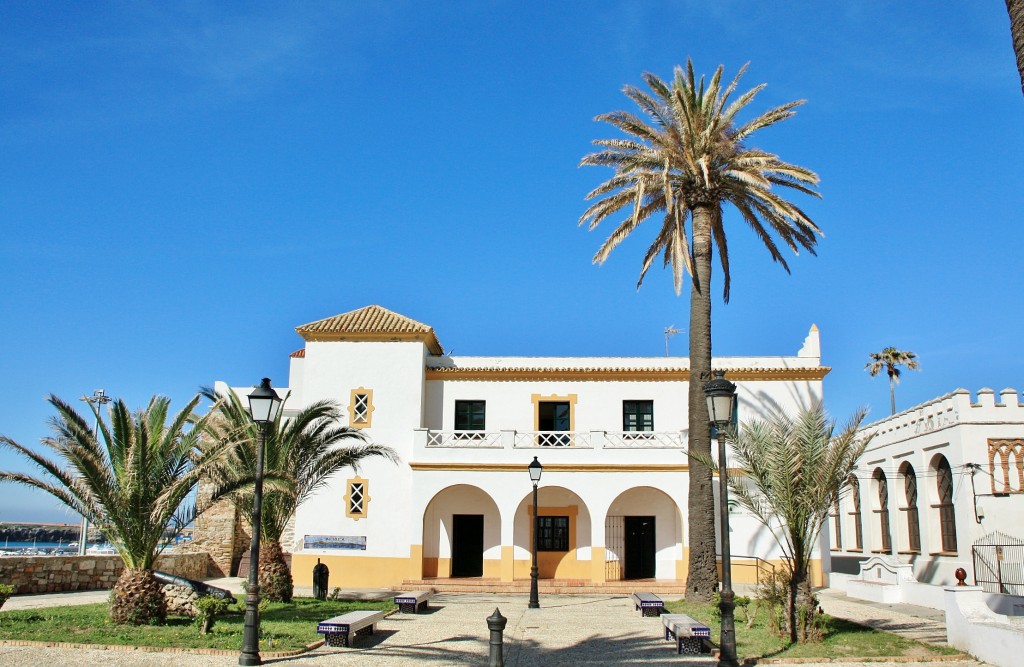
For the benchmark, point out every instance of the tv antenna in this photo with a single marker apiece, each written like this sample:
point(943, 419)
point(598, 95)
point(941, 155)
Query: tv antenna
point(670, 331)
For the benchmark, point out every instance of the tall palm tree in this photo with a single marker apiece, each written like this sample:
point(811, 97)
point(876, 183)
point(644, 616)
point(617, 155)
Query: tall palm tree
point(302, 452)
point(794, 470)
point(1015, 8)
point(685, 158)
point(890, 359)
point(131, 482)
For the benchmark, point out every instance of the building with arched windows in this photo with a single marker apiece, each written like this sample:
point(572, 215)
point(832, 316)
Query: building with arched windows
point(611, 433)
point(942, 487)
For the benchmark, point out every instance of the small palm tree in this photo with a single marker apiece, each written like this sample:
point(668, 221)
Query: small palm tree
point(302, 452)
point(131, 482)
point(890, 359)
point(794, 470)
point(685, 158)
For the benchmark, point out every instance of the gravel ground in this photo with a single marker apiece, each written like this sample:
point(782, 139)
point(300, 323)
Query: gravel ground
point(567, 630)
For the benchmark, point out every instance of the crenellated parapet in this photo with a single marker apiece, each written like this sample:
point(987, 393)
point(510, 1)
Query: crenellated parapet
point(956, 407)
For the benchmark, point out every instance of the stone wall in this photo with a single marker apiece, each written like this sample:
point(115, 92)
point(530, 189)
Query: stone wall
point(50, 574)
point(219, 532)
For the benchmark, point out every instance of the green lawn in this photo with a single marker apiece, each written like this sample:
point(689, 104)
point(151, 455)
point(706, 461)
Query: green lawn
point(283, 627)
point(842, 639)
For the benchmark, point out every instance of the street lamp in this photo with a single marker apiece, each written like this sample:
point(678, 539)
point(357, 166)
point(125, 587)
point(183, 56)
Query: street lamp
point(535, 469)
point(264, 405)
point(99, 398)
point(721, 397)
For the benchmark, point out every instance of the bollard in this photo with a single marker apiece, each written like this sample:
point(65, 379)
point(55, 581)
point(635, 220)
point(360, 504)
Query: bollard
point(320, 579)
point(496, 623)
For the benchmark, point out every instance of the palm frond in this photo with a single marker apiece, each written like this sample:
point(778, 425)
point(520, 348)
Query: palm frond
point(302, 453)
point(684, 150)
point(793, 469)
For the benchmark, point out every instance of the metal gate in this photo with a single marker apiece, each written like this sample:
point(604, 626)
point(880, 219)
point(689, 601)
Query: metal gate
point(615, 547)
point(999, 564)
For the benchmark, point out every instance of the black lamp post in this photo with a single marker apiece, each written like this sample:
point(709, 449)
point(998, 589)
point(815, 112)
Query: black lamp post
point(535, 469)
point(264, 405)
point(721, 397)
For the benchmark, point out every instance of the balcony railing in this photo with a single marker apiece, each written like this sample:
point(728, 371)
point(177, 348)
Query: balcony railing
point(474, 439)
point(560, 439)
point(552, 439)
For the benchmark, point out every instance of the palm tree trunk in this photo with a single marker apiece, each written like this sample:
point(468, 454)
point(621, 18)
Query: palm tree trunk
point(801, 598)
point(137, 598)
point(275, 578)
point(892, 393)
point(702, 570)
point(1015, 8)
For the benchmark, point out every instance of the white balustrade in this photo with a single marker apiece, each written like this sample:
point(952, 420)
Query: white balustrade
point(529, 439)
point(562, 439)
point(464, 439)
point(645, 440)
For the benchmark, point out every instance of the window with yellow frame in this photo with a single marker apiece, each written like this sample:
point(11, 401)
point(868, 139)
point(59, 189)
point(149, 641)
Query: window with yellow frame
point(360, 408)
point(357, 498)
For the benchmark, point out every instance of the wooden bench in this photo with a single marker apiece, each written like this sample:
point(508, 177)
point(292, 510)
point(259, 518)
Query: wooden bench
point(649, 604)
point(336, 630)
point(412, 602)
point(688, 633)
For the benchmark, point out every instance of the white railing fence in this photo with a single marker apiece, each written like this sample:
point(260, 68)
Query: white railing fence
point(561, 439)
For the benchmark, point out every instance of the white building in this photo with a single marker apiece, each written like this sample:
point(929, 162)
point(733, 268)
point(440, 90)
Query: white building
point(936, 480)
point(610, 432)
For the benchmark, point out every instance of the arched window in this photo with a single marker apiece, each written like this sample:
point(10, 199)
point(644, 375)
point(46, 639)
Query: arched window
point(837, 525)
point(858, 535)
point(947, 520)
point(913, 522)
point(883, 509)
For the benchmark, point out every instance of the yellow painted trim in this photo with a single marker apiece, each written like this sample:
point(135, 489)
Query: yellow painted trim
point(597, 564)
point(415, 561)
point(428, 338)
point(352, 408)
point(554, 398)
point(552, 467)
point(683, 565)
point(366, 498)
point(745, 571)
point(508, 571)
point(620, 374)
point(492, 568)
point(352, 571)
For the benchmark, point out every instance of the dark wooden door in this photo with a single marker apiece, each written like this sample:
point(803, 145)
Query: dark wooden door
point(639, 547)
point(467, 545)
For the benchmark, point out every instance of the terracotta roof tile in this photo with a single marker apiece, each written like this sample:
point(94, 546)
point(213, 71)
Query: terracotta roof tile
point(370, 323)
point(298, 354)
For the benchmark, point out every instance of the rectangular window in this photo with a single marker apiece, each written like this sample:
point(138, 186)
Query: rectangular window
point(552, 533)
point(554, 416)
point(913, 530)
point(637, 416)
point(470, 415)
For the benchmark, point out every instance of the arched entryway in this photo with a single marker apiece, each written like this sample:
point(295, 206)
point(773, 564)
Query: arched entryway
point(643, 536)
point(461, 534)
point(564, 538)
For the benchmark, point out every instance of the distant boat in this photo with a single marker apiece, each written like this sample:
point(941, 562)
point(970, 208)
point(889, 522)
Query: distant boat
point(101, 550)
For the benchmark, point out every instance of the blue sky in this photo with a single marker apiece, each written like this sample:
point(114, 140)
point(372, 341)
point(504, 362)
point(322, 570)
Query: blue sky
point(181, 184)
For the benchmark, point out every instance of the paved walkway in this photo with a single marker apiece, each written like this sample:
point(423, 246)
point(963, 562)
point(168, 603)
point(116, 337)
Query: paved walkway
point(921, 623)
point(567, 630)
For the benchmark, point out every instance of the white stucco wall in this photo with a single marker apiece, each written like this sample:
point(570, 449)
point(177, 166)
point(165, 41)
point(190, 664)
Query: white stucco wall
point(411, 503)
point(958, 428)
